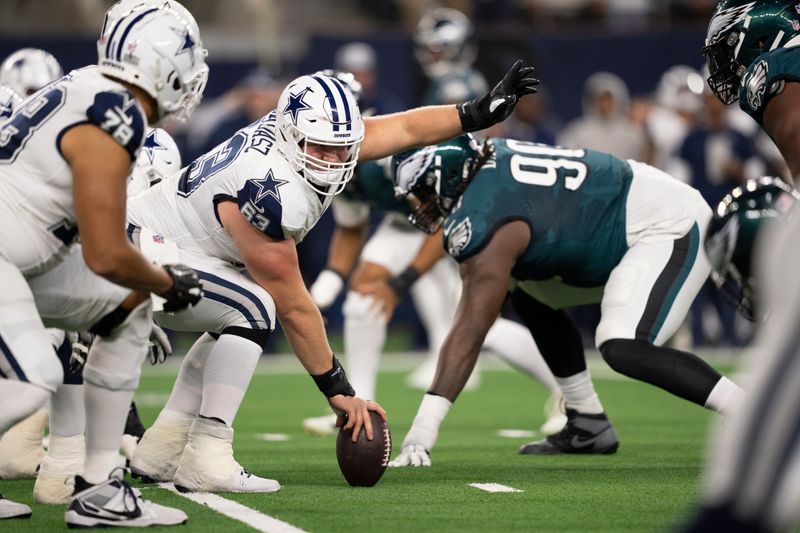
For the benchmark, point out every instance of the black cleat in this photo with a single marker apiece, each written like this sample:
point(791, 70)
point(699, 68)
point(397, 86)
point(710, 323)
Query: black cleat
point(583, 434)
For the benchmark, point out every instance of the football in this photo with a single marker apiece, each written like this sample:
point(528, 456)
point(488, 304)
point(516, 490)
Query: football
point(363, 462)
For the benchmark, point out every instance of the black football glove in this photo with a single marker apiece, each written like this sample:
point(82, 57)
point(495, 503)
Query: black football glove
point(489, 109)
point(81, 342)
point(186, 288)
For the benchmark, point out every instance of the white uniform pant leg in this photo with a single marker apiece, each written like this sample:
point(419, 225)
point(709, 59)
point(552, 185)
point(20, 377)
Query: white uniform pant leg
point(649, 292)
point(230, 298)
point(393, 245)
point(754, 461)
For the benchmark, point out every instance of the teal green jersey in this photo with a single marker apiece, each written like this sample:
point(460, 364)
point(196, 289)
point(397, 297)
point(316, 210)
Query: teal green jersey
point(572, 200)
point(458, 85)
point(372, 186)
point(766, 78)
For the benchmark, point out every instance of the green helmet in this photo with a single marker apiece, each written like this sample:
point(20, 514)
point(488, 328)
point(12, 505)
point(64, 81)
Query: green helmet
point(433, 178)
point(739, 32)
point(732, 232)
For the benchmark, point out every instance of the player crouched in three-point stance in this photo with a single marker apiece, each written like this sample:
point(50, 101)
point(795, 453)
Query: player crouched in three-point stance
point(246, 205)
point(64, 161)
point(563, 227)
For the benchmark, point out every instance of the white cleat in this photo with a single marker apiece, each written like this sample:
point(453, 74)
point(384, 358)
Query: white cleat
point(9, 509)
point(156, 456)
point(320, 425)
point(422, 376)
point(21, 447)
point(207, 463)
point(113, 503)
point(555, 411)
point(64, 460)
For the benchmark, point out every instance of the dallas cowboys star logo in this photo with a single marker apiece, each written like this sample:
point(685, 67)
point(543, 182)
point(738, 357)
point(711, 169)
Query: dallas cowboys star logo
point(187, 43)
point(268, 186)
point(150, 146)
point(296, 104)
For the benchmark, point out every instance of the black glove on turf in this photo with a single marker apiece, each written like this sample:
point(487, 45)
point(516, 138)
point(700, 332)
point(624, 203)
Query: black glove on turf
point(495, 107)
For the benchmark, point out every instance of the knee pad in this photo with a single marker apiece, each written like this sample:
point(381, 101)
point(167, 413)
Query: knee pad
point(115, 361)
point(358, 306)
point(258, 336)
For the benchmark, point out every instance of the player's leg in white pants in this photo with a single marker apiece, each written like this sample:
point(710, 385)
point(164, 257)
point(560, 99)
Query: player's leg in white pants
point(649, 292)
point(191, 441)
point(753, 473)
point(388, 252)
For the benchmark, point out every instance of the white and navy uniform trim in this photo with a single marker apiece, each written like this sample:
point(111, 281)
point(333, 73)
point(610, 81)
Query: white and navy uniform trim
point(37, 212)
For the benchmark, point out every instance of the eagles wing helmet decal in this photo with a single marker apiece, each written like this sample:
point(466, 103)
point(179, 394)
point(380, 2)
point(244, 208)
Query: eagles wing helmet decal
point(726, 19)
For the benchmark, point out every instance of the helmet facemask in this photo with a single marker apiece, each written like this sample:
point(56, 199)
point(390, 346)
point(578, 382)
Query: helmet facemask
point(319, 131)
point(725, 71)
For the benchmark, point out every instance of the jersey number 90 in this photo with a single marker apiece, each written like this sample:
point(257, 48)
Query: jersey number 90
point(543, 170)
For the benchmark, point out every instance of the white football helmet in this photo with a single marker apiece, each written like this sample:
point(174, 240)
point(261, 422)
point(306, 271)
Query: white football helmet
point(156, 49)
point(9, 100)
point(158, 159)
point(443, 40)
point(320, 113)
point(122, 7)
point(29, 69)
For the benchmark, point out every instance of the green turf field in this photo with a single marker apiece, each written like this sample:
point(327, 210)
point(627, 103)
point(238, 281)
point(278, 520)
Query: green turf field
point(646, 486)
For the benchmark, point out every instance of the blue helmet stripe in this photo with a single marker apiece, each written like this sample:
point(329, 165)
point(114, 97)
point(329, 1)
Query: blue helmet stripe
point(334, 107)
point(342, 90)
point(117, 24)
point(128, 29)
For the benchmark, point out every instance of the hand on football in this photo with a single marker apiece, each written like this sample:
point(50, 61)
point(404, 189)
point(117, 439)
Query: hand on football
point(160, 346)
point(412, 455)
point(353, 412)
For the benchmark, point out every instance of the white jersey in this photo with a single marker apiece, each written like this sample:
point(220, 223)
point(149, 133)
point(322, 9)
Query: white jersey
point(246, 169)
point(37, 215)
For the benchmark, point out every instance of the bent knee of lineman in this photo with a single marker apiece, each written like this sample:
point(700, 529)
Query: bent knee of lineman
point(627, 356)
point(359, 306)
point(115, 360)
point(258, 336)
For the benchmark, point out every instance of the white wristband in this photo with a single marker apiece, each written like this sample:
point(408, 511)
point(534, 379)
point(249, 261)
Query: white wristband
point(430, 415)
point(326, 288)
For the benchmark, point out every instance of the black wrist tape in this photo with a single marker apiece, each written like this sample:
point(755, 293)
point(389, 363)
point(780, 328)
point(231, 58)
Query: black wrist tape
point(470, 116)
point(403, 281)
point(334, 381)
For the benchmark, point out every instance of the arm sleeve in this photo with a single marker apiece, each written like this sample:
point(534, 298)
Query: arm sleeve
point(118, 114)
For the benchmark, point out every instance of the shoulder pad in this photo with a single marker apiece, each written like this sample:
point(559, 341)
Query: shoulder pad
point(261, 204)
point(118, 113)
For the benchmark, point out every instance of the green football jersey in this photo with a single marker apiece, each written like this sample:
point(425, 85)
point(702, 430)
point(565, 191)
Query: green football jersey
point(572, 200)
point(372, 186)
point(766, 78)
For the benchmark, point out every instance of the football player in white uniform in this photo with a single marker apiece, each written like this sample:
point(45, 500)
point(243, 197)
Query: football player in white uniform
point(236, 215)
point(29, 69)
point(65, 155)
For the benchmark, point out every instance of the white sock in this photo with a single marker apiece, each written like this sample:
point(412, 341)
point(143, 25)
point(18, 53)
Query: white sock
point(187, 393)
point(514, 344)
point(106, 412)
point(725, 398)
point(67, 412)
point(19, 400)
point(364, 337)
point(226, 375)
point(579, 393)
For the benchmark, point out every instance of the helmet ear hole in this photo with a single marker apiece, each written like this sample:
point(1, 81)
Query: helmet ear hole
point(176, 84)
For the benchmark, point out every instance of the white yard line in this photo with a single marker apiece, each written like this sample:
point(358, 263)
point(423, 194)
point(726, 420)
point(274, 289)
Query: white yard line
point(255, 519)
point(494, 487)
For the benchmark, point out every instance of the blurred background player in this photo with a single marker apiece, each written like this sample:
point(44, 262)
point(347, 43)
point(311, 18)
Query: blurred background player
point(445, 49)
point(74, 112)
point(29, 69)
point(752, 462)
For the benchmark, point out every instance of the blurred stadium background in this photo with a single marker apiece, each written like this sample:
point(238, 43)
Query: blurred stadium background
point(256, 45)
